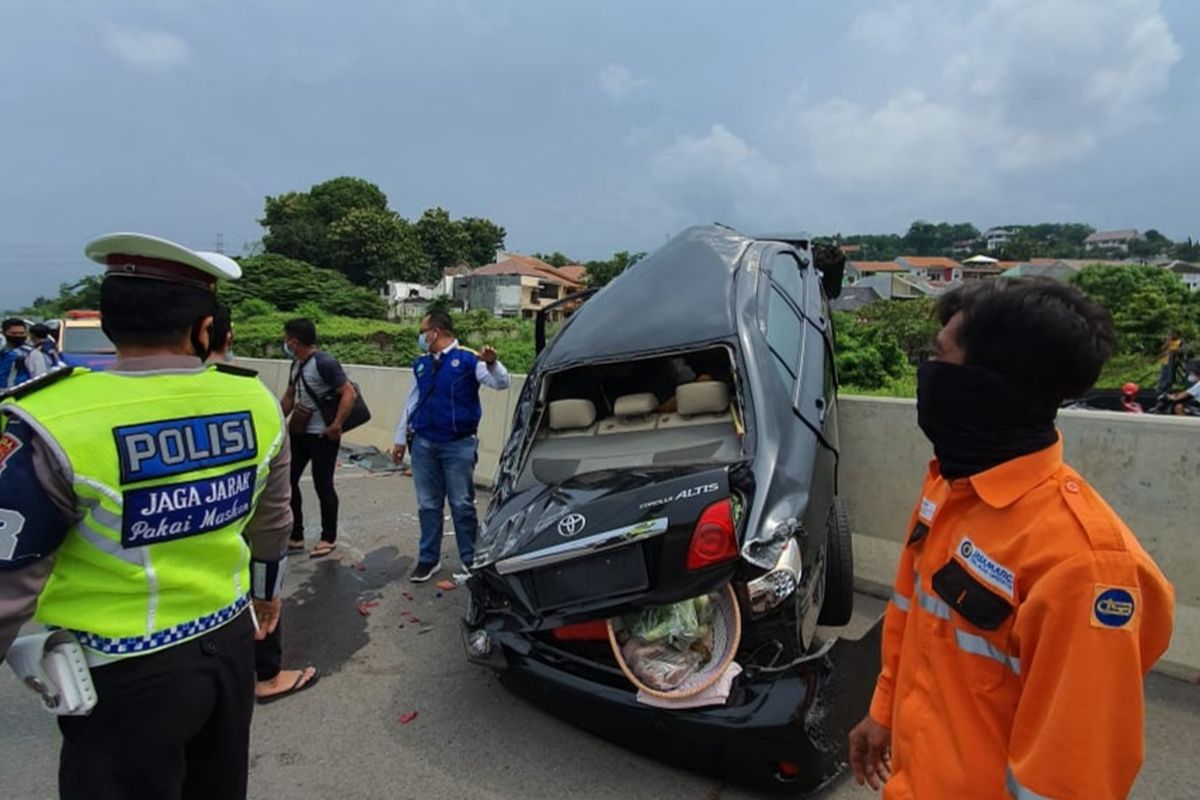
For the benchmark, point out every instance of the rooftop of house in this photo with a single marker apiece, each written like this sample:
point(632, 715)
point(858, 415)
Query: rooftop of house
point(516, 264)
point(864, 267)
point(929, 262)
point(1123, 235)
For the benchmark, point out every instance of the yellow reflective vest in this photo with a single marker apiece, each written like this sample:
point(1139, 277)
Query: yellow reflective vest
point(167, 467)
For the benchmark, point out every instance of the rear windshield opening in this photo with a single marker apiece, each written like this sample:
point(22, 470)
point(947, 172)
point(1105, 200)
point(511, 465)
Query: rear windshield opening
point(680, 409)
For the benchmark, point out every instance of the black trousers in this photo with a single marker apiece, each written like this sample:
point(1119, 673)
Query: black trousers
point(322, 453)
point(268, 655)
point(173, 725)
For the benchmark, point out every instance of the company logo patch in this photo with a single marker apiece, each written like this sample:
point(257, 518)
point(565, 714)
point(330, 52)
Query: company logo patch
point(9, 444)
point(455, 363)
point(990, 572)
point(928, 509)
point(1114, 607)
point(175, 511)
point(571, 524)
point(175, 446)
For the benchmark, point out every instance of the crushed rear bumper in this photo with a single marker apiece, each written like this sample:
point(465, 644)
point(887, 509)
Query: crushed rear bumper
point(799, 716)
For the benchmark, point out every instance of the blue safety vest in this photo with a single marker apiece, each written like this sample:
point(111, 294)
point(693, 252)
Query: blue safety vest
point(448, 406)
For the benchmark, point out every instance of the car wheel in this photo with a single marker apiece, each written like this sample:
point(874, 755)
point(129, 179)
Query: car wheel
point(839, 569)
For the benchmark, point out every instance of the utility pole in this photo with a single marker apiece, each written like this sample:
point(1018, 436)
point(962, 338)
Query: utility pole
point(220, 243)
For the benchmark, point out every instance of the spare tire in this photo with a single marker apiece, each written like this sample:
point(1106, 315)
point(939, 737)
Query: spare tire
point(839, 569)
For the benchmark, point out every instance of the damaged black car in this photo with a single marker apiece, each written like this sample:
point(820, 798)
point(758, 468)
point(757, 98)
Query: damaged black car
point(664, 551)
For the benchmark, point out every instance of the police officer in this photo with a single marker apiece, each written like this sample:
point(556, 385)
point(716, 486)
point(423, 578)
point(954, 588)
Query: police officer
point(124, 497)
point(443, 413)
point(1025, 613)
point(16, 350)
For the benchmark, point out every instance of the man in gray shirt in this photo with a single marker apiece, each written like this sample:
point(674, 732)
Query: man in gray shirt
point(316, 382)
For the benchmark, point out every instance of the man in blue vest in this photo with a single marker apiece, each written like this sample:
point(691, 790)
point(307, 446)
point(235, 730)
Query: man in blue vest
point(12, 357)
point(441, 416)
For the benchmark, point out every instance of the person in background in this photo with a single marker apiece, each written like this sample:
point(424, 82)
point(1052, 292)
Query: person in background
point(443, 412)
point(1172, 351)
point(145, 511)
point(43, 355)
point(14, 353)
point(1191, 394)
point(316, 381)
point(273, 682)
point(1025, 614)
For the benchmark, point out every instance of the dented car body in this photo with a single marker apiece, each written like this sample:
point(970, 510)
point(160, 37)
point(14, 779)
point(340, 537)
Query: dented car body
point(677, 435)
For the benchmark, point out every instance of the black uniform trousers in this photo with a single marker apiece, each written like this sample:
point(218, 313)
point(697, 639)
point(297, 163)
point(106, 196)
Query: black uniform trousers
point(173, 725)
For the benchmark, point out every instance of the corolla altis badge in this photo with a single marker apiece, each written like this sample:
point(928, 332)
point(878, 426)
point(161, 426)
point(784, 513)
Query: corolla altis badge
point(571, 524)
point(695, 491)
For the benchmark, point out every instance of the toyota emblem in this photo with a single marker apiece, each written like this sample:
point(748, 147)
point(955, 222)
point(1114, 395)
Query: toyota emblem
point(571, 524)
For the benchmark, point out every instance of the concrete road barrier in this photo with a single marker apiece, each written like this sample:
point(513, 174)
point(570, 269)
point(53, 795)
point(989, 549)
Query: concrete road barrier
point(1147, 467)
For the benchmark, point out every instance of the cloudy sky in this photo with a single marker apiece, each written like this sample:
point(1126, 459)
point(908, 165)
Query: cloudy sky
point(591, 127)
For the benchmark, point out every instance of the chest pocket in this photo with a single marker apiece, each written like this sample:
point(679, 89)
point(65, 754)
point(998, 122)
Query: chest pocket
point(983, 643)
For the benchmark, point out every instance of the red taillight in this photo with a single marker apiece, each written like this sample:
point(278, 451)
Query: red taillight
point(787, 770)
point(713, 539)
point(594, 631)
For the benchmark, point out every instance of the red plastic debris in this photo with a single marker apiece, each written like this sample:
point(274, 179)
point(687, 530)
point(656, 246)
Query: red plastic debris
point(407, 718)
point(361, 567)
point(412, 619)
point(447, 586)
point(365, 607)
point(406, 595)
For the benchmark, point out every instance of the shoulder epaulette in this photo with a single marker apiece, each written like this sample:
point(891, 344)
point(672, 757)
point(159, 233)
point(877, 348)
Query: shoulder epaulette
point(469, 350)
point(242, 372)
point(40, 382)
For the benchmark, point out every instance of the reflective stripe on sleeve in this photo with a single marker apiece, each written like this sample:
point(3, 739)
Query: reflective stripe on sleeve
point(1019, 792)
point(900, 601)
point(934, 605)
point(977, 645)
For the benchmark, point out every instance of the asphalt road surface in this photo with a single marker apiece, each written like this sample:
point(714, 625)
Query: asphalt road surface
point(470, 740)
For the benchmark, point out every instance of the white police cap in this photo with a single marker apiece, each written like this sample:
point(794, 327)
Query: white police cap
point(138, 255)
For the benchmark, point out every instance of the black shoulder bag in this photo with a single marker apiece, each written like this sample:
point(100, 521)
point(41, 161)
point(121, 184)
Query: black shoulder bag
point(328, 404)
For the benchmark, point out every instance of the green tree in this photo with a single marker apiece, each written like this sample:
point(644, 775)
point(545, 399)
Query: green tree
point(482, 239)
point(82, 295)
point(600, 273)
point(336, 198)
point(444, 242)
point(555, 259)
point(286, 283)
point(1186, 251)
point(1145, 302)
point(372, 246)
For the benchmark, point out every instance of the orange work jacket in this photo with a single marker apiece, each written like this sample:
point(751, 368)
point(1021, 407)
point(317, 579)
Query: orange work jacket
point(1024, 617)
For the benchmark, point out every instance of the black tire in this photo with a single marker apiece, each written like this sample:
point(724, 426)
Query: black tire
point(839, 569)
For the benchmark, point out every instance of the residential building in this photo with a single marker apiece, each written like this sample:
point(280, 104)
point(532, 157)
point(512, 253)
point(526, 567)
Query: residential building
point(1189, 273)
point(518, 286)
point(933, 268)
point(898, 286)
point(1112, 240)
point(857, 270)
point(1037, 268)
point(853, 298)
point(980, 268)
point(997, 238)
point(964, 246)
point(407, 300)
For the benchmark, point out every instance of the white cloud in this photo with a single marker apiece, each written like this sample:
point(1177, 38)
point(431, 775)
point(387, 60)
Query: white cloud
point(146, 49)
point(1027, 83)
point(618, 82)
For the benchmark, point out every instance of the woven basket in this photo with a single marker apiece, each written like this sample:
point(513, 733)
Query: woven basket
point(727, 636)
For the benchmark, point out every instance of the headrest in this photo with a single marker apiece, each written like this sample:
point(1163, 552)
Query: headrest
point(568, 415)
point(635, 405)
point(707, 397)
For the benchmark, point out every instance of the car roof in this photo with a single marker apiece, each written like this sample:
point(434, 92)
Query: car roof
point(676, 297)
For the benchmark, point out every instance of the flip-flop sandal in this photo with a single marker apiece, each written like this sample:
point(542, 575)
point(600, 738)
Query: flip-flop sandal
point(295, 545)
point(299, 686)
point(322, 550)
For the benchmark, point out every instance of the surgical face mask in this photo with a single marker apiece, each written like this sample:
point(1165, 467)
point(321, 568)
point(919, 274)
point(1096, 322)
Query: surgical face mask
point(423, 342)
point(228, 356)
point(14, 341)
point(287, 349)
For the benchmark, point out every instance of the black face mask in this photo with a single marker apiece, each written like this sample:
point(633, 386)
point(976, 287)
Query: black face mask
point(977, 418)
point(202, 352)
point(14, 341)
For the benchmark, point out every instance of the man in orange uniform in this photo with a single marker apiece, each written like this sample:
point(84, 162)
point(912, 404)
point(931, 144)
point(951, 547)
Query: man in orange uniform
point(1025, 613)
